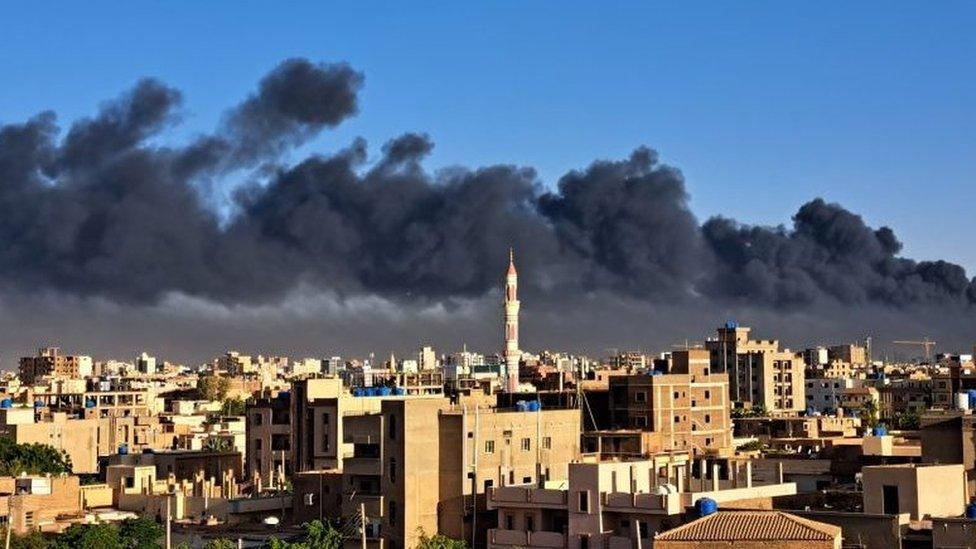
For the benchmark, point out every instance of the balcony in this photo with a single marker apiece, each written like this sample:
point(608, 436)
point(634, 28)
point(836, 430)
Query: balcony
point(627, 502)
point(518, 538)
point(362, 466)
point(526, 496)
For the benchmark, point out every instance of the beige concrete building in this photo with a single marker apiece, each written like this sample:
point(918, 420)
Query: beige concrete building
point(619, 504)
point(686, 410)
point(49, 362)
point(760, 374)
point(922, 491)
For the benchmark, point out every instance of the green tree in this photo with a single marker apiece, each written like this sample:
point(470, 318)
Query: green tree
point(140, 533)
point(213, 387)
point(318, 535)
point(233, 407)
point(31, 540)
point(33, 459)
point(89, 536)
point(220, 543)
point(438, 541)
point(908, 420)
point(869, 414)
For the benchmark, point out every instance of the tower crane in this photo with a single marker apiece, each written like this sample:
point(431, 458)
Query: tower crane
point(926, 344)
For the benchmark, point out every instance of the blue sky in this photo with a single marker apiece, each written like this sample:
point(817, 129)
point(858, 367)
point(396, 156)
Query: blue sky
point(763, 105)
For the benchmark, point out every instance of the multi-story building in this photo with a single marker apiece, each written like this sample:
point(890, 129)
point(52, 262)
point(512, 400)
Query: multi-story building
point(760, 374)
point(49, 362)
point(620, 503)
point(824, 394)
point(269, 451)
point(686, 410)
point(849, 353)
point(420, 463)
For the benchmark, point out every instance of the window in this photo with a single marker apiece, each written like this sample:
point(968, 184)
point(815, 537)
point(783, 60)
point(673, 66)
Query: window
point(526, 444)
point(529, 523)
point(392, 469)
point(325, 418)
point(708, 394)
point(488, 484)
point(708, 418)
point(325, 442)
point(677, 419)
point(584, 501)
point(393, 429)
point(257, 444)
point(489, 446)
point(393, 513)
point(640, 396)
point(547, 443)
point(258, 419)
point(676, 395)
point(509, 521)
point(526, 480)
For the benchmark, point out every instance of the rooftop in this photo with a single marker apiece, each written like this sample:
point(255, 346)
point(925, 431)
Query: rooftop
point(751, 526)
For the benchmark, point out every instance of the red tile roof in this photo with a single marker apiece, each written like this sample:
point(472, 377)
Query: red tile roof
point(751, 526)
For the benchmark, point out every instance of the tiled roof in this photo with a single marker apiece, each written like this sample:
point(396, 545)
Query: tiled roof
point(751, 526)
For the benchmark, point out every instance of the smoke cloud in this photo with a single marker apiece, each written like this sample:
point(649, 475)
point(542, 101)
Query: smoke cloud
point(104, 212)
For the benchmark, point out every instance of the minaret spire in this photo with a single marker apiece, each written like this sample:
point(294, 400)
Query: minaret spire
point(512, 353)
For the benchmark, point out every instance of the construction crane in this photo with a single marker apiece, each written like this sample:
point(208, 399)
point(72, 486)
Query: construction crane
point(926, 344)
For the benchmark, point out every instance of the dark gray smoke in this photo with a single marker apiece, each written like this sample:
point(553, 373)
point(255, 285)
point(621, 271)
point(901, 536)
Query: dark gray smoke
point(104, 211)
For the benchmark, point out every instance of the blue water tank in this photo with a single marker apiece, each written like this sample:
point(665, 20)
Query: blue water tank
point(971, 511)
point(7, 403)
point(90, 403)
point(656, 373)
point(534, 406)
point(522, 406)
point(385, 391)
point(357, 391)
point(38, 404)
point(371, 391)
point(123, 449)
point(972, 398)
point(705, 507)
point(879, 431)
point(399, 391)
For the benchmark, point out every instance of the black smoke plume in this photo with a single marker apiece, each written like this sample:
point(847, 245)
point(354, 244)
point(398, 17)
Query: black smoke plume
point(106, 211)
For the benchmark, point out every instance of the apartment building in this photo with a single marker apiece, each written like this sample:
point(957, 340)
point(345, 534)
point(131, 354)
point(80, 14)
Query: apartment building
point(620, 503)
point(49, 362)
point(421, 463)
point(760, 374)
point(824, 394)
point(683, 411)
point(269, 451)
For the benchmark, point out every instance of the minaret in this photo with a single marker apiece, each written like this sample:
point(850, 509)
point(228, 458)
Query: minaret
point(512, 353)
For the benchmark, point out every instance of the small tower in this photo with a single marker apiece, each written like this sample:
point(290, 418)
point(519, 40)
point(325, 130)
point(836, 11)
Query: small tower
point(512, 352)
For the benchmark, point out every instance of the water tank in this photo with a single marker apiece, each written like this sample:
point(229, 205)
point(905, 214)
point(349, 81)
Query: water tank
point(357, 391)
point(123, 449)
point(962, 401)
point(6, 403)
point(534, 406)
point(38, 404)
point(399, 391)
point(879, 431)
point(522, 406)
point(385, 391)
point(731, 325)
point(972, 398)
point(705, 507)
point(372, 391)
point(90, 403)
point(656, 373)
point(971, 511)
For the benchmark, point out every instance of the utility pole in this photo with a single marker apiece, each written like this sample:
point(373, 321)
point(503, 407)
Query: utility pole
point(169, 525)
point(362, 519)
